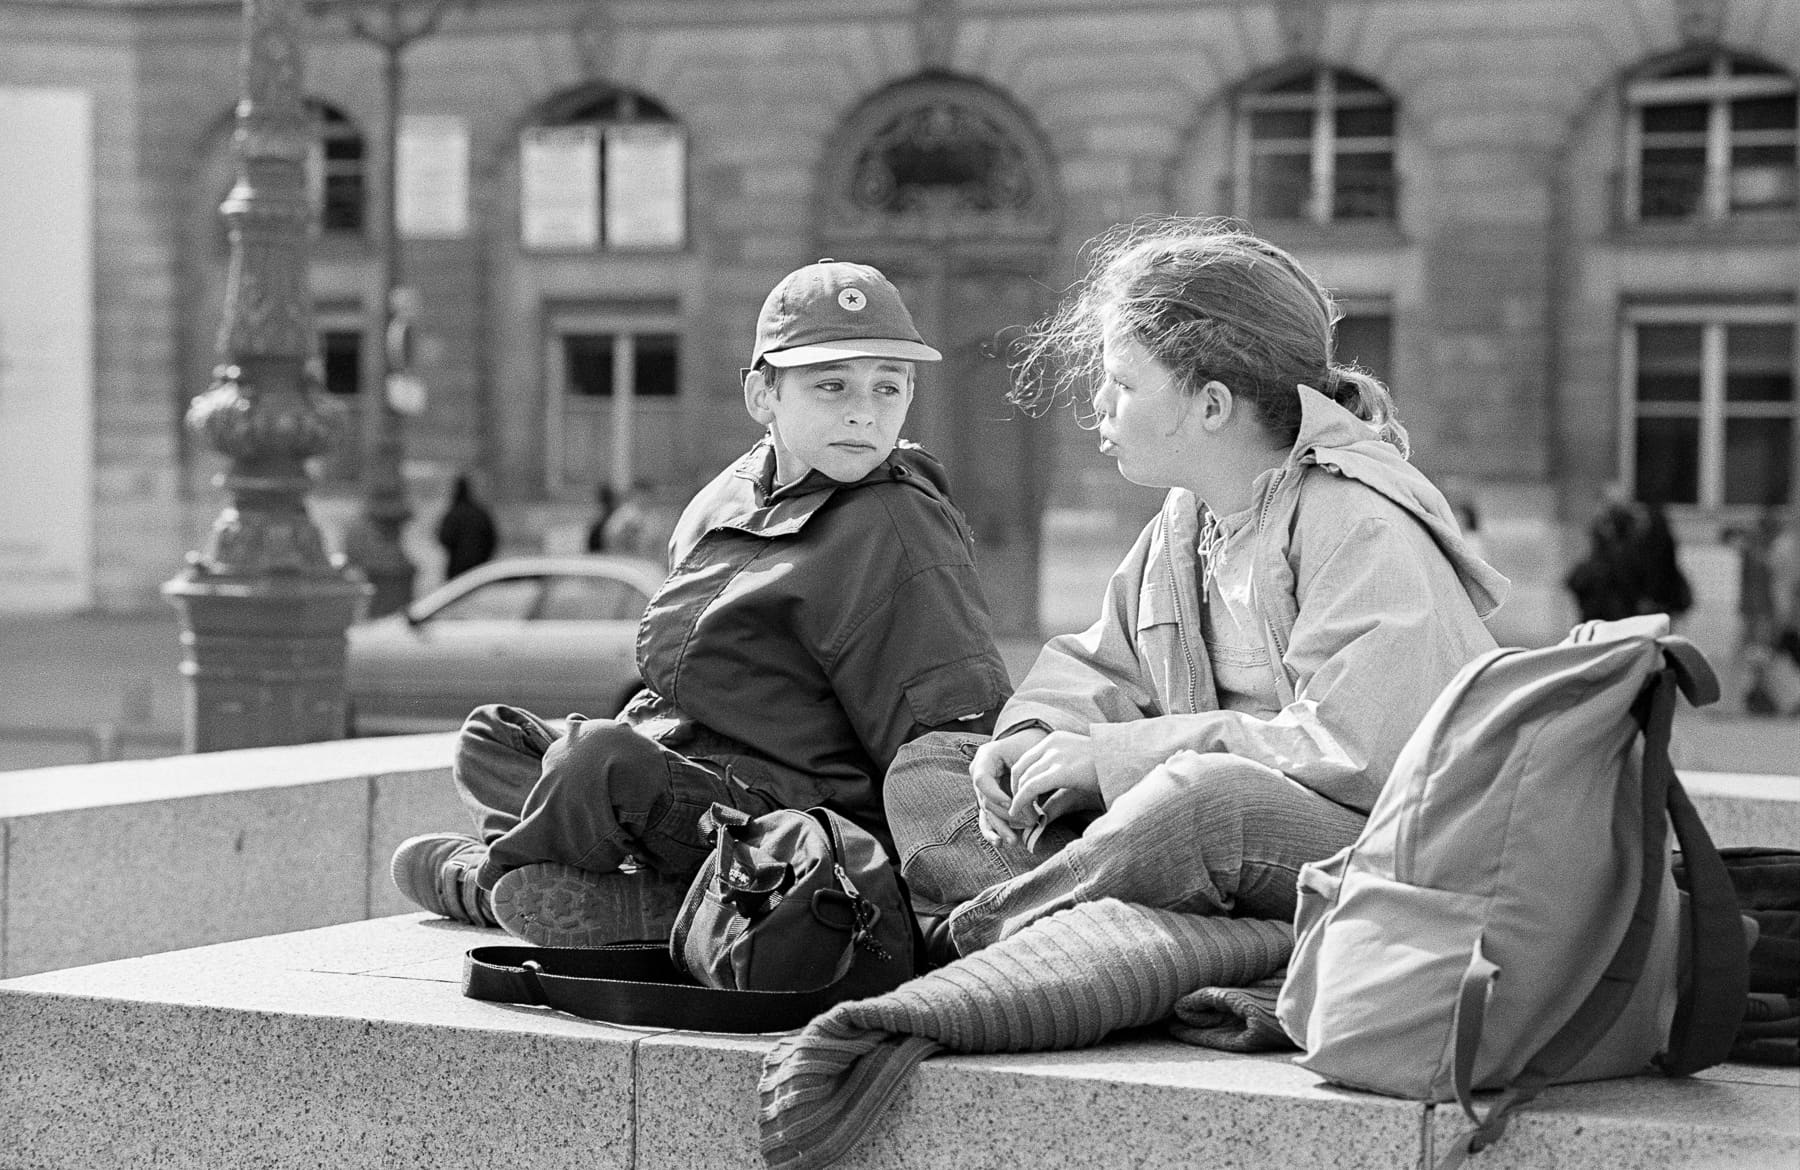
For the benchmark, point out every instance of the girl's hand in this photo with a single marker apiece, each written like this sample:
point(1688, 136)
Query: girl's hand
point(992, 770)
point(1055, 776)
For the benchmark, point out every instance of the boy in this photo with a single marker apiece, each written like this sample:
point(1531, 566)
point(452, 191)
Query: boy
point(822, 610)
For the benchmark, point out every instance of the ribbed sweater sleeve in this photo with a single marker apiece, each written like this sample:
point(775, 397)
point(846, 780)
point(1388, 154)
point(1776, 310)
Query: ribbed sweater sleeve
point(1065, 981)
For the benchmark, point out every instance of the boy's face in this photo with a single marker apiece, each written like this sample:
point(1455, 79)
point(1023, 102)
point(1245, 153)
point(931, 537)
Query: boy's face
point(841, 418)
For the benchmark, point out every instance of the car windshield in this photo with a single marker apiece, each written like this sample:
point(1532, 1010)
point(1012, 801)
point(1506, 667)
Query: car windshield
point(507, 599)
point(591, 599)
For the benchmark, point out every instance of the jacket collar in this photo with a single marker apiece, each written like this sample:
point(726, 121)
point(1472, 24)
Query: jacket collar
point(784, 510)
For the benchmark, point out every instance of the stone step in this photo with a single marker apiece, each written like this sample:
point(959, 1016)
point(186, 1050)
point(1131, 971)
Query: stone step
point(352, 1045)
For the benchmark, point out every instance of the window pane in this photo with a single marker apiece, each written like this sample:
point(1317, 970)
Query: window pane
point(1758, 458)
point(1668, 460)
point(1265, 124)
point(1304, 83)
point(340, 353)
point(1769, 113)
point(1668, 359)
point(1366, 340)
point(1673, 181)
point(1744, 67)
point(592, 599)
point(1675, 119)
point(588, 364)
point(658, 369)
point(1762, 177)
point(1365, 122)
point(1365, 188)
point(1759, 363)
point(1280, 186)
point(1350, 83)
point(509, 599)
point(342, 206)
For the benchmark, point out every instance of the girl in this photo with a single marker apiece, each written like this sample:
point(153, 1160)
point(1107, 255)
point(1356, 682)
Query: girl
point(1262, 653)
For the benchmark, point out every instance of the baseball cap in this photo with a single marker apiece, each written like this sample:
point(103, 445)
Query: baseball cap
point(833, 310)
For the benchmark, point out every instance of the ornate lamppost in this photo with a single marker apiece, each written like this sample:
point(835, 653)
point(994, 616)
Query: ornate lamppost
point(263, 607)
point(373, 543)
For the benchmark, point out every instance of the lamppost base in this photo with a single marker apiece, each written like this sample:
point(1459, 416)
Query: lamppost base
point(263, 659)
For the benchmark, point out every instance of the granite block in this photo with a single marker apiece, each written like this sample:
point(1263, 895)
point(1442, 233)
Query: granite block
point(1747, 809)
point(1133, 1101)
point(401, 805)
point(349, 1046)
point(1718, 1121)
point(90, 884)
point(126, 1083)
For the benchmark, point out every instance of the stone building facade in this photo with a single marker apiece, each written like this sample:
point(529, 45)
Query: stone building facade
point(1565, 231)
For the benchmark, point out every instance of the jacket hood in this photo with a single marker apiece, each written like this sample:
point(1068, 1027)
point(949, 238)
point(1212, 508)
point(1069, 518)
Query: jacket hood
point(1334, 438)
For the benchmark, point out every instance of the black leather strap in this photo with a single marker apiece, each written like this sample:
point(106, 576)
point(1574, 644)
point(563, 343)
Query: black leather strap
point(634, 984)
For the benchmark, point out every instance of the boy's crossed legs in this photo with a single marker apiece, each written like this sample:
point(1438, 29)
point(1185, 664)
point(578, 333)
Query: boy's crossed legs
point(586, 837)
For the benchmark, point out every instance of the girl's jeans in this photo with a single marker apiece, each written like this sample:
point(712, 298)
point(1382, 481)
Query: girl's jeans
point(1201, 833)
point(592, 797)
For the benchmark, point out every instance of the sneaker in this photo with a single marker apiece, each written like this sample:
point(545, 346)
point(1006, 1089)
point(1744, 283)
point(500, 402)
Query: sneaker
point(554, 905)
point(437, 871)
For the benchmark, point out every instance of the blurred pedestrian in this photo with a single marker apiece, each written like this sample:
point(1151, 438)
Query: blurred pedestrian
point(1632, 564)
point(627, 527)
point(606, 502)
point(1665, 586)
point(1766, 671)
point(467, 531)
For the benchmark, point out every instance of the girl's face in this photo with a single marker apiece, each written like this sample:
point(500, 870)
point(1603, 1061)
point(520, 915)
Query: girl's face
point(1146, 422)
point(841, 418)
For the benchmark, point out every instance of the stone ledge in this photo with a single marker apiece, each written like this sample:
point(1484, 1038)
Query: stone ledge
point(106, 861)
point(228, 845)
point(353, 1045)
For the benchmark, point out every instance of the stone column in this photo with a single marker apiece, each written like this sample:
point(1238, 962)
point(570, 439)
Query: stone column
point(263, 607)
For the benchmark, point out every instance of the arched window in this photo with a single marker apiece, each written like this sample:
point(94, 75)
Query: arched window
point(337, 171)
point(1708, 138)
point(938, 156)
point(1315, 146)
point(603, 169)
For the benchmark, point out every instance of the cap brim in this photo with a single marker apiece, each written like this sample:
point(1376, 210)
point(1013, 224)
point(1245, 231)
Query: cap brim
point(854, 347)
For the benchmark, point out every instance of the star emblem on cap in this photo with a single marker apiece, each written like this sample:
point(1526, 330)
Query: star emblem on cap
point(853, 299)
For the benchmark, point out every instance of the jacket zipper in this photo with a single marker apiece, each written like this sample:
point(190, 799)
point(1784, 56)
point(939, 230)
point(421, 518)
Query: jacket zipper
point(1181, 634)
point(1262, 526)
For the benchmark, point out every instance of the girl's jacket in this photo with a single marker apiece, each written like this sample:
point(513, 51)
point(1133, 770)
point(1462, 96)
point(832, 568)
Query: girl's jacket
point(1370, 598)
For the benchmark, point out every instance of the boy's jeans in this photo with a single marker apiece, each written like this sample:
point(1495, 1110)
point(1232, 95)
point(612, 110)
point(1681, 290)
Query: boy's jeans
point(592, 797)
point(1202, 833)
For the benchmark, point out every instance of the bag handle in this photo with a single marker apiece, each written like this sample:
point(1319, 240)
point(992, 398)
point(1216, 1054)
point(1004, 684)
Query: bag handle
point(635, 984)
point(1707, 1018)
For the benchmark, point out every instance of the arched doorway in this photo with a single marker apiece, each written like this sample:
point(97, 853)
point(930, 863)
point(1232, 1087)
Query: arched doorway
point(946, 185)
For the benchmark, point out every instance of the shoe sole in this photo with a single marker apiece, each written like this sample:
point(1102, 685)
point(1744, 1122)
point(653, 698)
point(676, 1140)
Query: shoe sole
point(555, 905)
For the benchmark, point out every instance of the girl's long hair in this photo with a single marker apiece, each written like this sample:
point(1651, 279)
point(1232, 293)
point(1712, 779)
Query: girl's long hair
point(1209, 301)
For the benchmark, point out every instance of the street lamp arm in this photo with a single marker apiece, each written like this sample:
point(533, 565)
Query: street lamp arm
point(394, 35)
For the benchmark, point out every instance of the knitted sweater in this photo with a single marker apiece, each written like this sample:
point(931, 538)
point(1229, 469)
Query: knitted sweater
point(1065, 981)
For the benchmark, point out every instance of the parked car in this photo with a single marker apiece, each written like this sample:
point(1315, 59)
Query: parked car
point(554, 635)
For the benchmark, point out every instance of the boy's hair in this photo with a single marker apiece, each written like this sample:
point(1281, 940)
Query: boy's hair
point(1211, 302)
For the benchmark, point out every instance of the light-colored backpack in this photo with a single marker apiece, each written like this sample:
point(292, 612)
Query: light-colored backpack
point(1508, 918)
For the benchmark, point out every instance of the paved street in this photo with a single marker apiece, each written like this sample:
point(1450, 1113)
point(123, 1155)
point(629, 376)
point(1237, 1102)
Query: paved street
point(81, 688)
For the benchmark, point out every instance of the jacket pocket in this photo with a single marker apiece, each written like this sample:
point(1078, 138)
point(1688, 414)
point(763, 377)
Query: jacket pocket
point(955, 691)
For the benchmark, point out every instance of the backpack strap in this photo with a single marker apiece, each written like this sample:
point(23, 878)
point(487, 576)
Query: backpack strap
point(1707, 1018)
point(633, 983)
